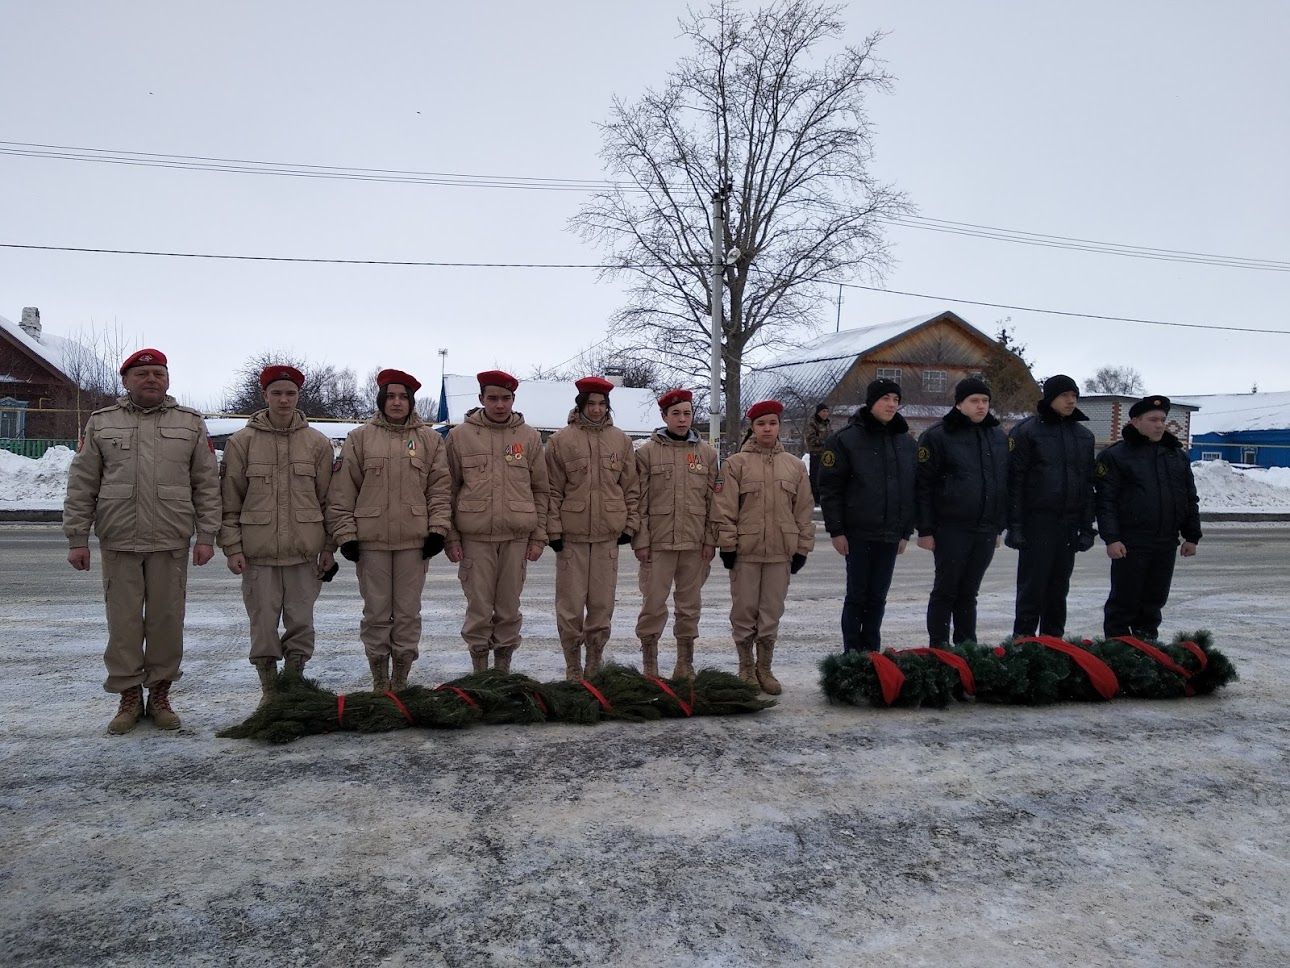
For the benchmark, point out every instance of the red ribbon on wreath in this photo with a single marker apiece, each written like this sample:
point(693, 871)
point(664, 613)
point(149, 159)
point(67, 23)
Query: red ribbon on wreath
point(340, 709)
point(460, 693)
point(685, 707)
point(890, 678)
point(1198, 652)
point(604, 703)
point(402, 708)
point(1160, 657)
point(956, 662)
point(1099, 673)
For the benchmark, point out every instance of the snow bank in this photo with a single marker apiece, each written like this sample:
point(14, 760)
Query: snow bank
point(27, 484)
point(1223, 487)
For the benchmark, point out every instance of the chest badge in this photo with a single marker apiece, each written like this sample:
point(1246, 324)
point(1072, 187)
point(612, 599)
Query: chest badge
point(514, 452)
point(412, 446)
point(693, 462)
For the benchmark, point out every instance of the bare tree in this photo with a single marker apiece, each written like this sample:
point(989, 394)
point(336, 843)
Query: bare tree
point(91, 359)
point(757, 109)
point(1124, 380)
point(329, 391)
point(635, 371)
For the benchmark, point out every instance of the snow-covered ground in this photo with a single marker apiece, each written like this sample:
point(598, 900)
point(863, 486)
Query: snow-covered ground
point(35, 485)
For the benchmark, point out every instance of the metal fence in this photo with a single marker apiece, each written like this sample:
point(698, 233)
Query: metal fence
point(32, 446)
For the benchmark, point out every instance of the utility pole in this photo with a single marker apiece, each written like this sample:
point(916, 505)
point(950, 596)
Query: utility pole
point(715, 408)
point(837, 328)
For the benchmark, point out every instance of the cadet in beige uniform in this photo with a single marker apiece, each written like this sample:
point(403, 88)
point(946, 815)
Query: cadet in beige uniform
point(388, 510)
point(677, 537)
point(145, 478)
point(765, 532)
point(274, 485)
point(499, 512)
point(594, 498)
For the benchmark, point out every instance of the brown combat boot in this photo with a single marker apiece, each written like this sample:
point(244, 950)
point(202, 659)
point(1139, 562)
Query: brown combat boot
point(295, 664)
point(128, 712)
point(769, 684)
point(649, 657)
point(595, 654)
point(479, 662)
point(746, 672)
point(502, 658)
point(684, 659)
point(268, 670)
point(402, 669)
point(159, 708)
point(572, 661)
point(380, 673)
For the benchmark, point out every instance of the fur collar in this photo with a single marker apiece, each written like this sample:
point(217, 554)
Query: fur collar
point(957, 420)
point(896, 426)
point(1133, 436)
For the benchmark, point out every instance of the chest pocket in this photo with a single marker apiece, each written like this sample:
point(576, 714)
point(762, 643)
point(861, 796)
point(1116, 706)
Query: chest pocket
point(116, 445)
point(372, 497)
point(177, 443)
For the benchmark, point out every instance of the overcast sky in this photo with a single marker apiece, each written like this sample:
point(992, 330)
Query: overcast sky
point(1158, 124)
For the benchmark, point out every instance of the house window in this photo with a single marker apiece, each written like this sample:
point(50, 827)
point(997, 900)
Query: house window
point(1211, 455)
point(13, 417)
point(889, 373)
point(1249, 455)
point(935, 381)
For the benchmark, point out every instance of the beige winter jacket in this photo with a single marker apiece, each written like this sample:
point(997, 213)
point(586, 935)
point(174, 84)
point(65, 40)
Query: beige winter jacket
point(146, 479)
point(595, 491)
point(274, 484)
point(391, 489)
point(678, 483)
point(499, 480)
point(764, 505)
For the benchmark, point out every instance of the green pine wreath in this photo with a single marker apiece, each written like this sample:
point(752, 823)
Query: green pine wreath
point(1031, 671)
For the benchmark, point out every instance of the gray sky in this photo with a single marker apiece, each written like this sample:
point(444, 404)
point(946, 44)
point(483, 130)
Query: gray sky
point(1150, 123)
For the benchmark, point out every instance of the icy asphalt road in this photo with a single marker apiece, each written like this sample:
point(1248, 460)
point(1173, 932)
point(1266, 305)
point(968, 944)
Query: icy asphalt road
point(1126, 833)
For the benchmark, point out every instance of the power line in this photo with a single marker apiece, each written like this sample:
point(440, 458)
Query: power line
point(589, 265)
point(590, 185)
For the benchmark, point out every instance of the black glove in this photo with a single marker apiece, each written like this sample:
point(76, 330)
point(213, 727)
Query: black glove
point(349, 550)
point(727, 558)
point(432, 545)
point(797, 563)
point(624, 538)
point(1086, 540)
point(330, 573)
point(1015, 539)
point(557, 545)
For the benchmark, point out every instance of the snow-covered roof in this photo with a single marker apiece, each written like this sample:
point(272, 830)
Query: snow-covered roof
point(1222, 413)
point(815, 368)
point(224, 426)
point(54, 350)
point(546, 404)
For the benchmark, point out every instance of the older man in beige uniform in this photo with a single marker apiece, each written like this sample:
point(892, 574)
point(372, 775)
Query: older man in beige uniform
point(595, 495)
point(274, 483)
point(677, 538)
point(388, 510)
point(499, 513)
point(145, 478)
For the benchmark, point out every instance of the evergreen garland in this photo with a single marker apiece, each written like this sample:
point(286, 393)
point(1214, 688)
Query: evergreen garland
point(1027, 673)
point(300, 707)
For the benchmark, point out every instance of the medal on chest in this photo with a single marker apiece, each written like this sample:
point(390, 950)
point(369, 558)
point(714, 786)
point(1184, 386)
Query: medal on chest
point(514, 452)
point(694, 462)
point(412, 447)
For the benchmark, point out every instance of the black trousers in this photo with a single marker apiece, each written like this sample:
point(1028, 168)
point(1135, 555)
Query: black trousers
point(813, 475)
point(1044, 569)
point(1139, 589)
point(869, 568)
point(961, 560)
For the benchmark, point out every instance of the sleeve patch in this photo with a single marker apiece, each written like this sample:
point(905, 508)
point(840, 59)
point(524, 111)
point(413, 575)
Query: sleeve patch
point(828, 459)
point(924, 455)
point(1101, 469)
point(1012, 443)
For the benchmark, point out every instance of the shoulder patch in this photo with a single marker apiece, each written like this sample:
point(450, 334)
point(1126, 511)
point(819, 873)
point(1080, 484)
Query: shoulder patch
point(828, 459)
point(720, 483)
point(1101, 469)
point(924, 455)
point(335, 465)
point(1012, 443)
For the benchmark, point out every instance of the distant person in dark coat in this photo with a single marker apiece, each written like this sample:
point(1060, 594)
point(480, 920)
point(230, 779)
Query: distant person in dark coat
point(817, 431)
point(1146, 500)
point(867, 493)
point(1050, 505)
point(961, 507)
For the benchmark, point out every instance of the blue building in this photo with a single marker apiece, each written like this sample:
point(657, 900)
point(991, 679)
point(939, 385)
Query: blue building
point(1242, 428)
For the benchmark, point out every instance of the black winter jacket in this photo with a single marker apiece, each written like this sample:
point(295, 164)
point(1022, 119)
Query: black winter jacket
point(962, 477)
point(1146, 491)
point(867, 480)
point(1050, 469)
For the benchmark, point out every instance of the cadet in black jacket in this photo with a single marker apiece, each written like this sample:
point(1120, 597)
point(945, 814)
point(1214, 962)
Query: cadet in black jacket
point(1146, 497)
point(1050, 505)
point(867, 493)
point(961, 507)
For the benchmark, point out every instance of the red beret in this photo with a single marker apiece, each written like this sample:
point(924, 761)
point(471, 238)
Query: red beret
point(593, 384)
point(497, 378)
point(272, 374)
point(409, 382)
point(145, 357)
point(763, 407)
point(673, 397)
